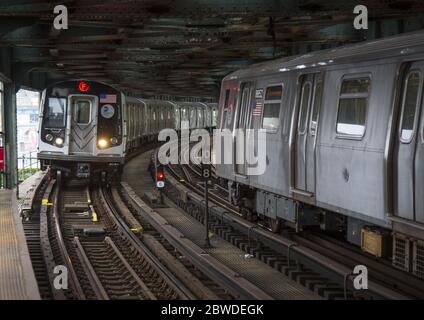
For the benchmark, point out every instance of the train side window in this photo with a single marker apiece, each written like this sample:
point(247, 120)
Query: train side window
point(183, 114)
point(316, 107)
point(214, 116)
point(200, 117)
point(230, 112)
point(193, 115)
point(55, 116)
point(353, 105)
point(177, 118)
point(271, 111)
point(411, 100)
point(304, 103)
point(225, 108)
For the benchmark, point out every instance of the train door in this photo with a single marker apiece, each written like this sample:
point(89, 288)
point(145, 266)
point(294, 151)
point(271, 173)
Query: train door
point(177, 118)
point(409, 147)
point(82, 125)
point(309, 103)
point(241, 124)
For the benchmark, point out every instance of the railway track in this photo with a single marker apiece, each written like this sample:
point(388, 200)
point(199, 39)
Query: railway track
point(389, 282)
point(112, 252)
point(106, 268)
point(101, 258)
point(107, 253)
point(379, 270)
point(31, 226)
point(190, 176)
point(165, 285)
point(115, 262)
point(200, 284)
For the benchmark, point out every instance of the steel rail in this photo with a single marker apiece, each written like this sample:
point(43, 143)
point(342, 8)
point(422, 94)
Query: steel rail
point(61, 241)
point(130, 269)
point(94, 280)
point(45, 244)
point(163, 250)
point(378, 270)
point(126, 232)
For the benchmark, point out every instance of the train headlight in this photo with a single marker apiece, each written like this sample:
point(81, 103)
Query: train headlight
point(113, 140)
point(59, 141)
point(102, 143)
point(49, 137)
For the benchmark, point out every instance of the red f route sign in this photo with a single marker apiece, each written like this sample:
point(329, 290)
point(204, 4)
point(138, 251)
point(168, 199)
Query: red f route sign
point(1, 159)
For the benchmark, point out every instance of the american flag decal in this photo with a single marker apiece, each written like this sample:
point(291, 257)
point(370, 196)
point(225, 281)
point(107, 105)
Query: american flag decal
point(107, 98)
point(257, 110)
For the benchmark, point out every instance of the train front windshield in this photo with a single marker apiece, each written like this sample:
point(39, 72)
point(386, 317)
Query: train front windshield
point(55, 115)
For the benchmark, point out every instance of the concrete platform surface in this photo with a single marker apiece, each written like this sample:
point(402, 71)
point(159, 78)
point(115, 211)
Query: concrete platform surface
point(17, 280)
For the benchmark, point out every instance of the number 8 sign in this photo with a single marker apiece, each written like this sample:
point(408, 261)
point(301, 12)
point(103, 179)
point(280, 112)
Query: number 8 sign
point(206, 171)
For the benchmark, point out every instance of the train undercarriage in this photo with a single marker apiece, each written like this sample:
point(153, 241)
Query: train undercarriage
point(95, 172)
point(278, 213)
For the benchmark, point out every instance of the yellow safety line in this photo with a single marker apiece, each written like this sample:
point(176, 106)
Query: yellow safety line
point(137, 230)
point(45, 202)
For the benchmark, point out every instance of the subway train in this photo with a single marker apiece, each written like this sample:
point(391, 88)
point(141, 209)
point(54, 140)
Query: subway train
point(344, 144)
point(88, 129)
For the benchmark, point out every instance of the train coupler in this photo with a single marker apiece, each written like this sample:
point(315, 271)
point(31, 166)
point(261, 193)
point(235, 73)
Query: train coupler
point(83, 170)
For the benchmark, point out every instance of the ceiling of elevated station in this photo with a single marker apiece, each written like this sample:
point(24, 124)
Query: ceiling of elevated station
point(183, 48)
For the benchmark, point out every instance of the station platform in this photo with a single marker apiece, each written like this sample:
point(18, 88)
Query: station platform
point(17, 279)
point(255, 271)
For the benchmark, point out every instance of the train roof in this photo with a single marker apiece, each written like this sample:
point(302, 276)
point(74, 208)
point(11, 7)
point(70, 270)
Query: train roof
point(81, 80)
point(400, 45)
point(171, 103)
point(195, 104)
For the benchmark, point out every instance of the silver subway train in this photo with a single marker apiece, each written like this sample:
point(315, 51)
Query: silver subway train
point(87, 128)
point(344, 140)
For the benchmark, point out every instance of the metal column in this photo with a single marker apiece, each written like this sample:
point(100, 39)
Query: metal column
point(10, 138)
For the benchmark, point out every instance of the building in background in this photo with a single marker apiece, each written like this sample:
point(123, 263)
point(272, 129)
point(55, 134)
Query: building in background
point(27, 103)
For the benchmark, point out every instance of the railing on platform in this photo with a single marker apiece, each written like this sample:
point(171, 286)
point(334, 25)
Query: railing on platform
point(28, 164)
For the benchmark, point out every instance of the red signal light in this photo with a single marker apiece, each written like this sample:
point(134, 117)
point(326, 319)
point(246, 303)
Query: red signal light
point(160, 175)
point(83, 86)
